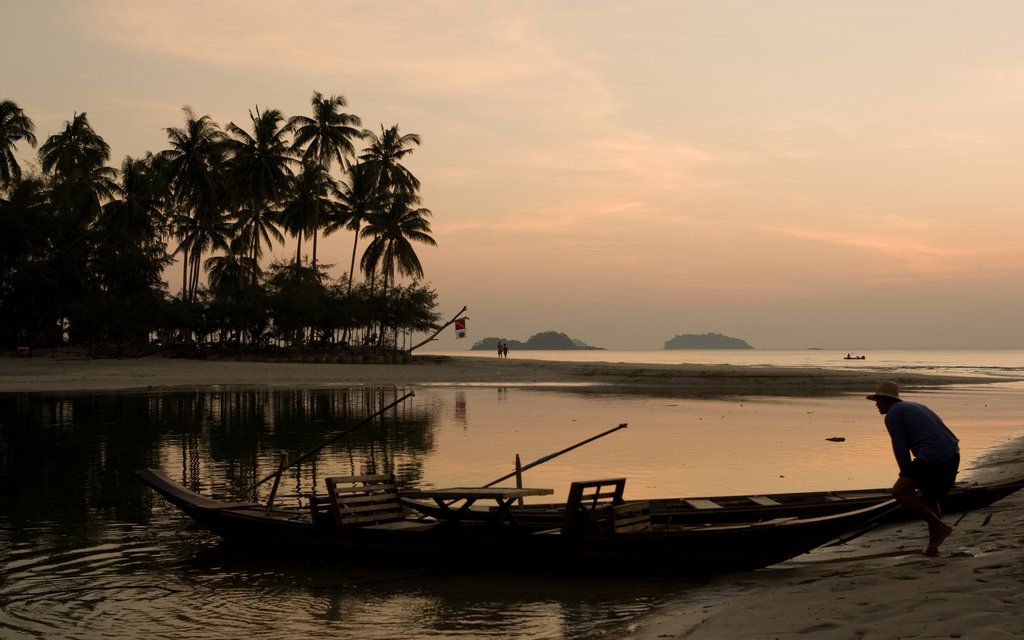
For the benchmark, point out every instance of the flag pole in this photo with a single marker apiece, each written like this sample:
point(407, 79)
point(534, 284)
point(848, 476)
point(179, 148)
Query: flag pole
point(458, 316)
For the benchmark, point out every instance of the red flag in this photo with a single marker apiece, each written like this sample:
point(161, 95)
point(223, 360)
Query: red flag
point(460, 328)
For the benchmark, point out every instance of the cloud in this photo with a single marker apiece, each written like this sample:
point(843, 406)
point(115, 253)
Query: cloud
point(492, 61)
point(911, 256)
point(440, 46)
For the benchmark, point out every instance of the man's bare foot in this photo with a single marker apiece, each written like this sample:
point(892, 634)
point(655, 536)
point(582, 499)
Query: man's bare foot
point(937, 538)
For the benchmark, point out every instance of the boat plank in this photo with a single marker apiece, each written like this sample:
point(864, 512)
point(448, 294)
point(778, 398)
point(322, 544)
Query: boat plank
point(703, 503)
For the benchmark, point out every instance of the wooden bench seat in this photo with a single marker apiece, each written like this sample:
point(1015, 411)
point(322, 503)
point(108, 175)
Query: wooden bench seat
point(369, 500)
point(597, 506)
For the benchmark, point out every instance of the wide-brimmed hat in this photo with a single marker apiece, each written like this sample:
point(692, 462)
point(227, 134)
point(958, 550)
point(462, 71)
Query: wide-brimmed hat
point(886, 390)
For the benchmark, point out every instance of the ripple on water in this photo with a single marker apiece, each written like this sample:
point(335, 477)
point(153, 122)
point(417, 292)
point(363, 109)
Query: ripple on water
point(158, 585)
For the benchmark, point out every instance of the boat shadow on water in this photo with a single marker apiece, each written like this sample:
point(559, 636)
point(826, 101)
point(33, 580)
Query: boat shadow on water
point(323, 573)
point(367, 598)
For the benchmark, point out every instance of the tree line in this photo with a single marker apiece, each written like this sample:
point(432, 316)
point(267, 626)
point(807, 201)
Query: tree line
point(83, 246)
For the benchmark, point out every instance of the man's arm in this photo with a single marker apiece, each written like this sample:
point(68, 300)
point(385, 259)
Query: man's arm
point(900, 446)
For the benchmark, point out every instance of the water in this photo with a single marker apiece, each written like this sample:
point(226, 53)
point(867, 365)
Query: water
point(988, 362)
point(87, 551)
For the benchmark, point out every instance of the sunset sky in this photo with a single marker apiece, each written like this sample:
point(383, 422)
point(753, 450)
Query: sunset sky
point(838, 174)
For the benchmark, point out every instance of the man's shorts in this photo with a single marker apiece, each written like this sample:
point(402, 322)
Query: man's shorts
point(934, 480)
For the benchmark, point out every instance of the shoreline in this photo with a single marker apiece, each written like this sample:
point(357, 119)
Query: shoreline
point(879, 585)
point(52, 374)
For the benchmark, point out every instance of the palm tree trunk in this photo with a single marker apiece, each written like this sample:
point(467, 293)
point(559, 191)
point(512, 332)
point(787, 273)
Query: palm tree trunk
point(315, 234)
point(184, 275)
point(194, 283)
point(253, 250)
point(352, 272)
point(352, 266)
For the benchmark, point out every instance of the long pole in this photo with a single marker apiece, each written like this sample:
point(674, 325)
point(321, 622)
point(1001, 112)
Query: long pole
point(313, 452)
point(439, 330)
point(554, 455)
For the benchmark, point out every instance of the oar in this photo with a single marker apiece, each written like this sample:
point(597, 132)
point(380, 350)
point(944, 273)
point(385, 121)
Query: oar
point(554, 455)
point(313, 452)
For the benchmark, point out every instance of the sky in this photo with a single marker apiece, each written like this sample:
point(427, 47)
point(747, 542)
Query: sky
point(797, 173)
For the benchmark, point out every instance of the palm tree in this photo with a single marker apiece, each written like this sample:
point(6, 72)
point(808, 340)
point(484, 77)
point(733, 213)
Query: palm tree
point(198, 235)
point(259, 174)
point(384, 158)
point(136, 217)
point(80, 184)
point(30, 290)
point(195, 164)
point(75, 157)
point(230, 271)
point(24, 226)
point(327, 136)
point(15, 126)
point(359, 200)
point(312, 199)
point(388, 177)
point(129, 254)
point(75, 151)
point(393, 230)
point(236, 304)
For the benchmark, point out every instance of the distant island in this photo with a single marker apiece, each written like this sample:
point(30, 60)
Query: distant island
point(706, 341)
point(544, 341)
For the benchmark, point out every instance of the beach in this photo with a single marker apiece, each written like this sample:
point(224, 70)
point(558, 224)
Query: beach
point(879, 585)
point(59, 372)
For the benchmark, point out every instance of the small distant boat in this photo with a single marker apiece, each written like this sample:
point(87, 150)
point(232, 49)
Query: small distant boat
point(853, 357)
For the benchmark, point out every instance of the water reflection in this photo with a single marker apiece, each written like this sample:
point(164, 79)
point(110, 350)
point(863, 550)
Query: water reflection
point(395, 602)
point(89, 550)
point(85, 448)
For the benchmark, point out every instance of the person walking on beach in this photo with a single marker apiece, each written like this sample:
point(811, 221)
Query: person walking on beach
point(916, 430)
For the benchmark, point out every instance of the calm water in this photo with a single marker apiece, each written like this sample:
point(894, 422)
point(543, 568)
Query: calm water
point(1007, 363)
point(87, 551)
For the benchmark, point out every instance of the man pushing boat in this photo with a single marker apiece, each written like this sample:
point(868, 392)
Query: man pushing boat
point(928, 455)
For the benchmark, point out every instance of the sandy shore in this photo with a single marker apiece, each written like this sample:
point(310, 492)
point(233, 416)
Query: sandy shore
point(877, 586)
point(52, 373)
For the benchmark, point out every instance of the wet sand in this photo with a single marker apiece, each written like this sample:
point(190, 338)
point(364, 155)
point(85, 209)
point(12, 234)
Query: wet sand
point(56, 373)
point(880, 585)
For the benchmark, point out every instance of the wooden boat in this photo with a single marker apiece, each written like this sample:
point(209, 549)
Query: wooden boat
point(752, 508)
point(362, 521)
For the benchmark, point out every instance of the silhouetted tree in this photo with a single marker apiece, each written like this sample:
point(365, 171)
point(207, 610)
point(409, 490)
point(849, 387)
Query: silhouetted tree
point(15, 126)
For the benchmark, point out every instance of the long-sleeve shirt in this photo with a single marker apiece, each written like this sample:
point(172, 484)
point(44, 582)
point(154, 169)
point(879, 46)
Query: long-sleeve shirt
point(916, 429)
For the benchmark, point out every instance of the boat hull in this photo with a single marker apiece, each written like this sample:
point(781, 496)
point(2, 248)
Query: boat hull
point(677, 550)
